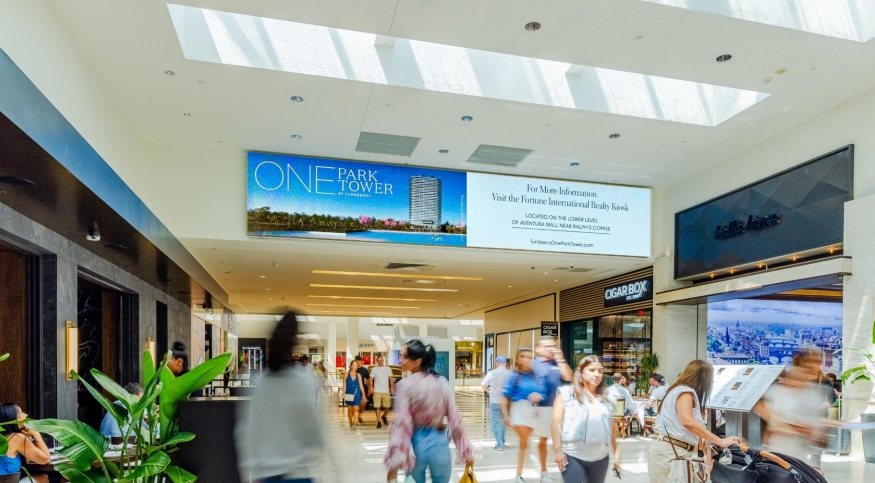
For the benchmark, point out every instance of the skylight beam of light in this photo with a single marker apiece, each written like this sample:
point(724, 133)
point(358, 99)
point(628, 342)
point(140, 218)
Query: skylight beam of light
point(843, 19)
point(279, 45)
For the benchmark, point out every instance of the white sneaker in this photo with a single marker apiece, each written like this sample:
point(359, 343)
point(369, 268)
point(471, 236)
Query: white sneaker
point(545, 477)
point(519, 479)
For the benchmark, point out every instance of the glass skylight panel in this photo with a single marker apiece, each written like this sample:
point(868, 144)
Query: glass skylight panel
point(844, 19)
point(284, 46)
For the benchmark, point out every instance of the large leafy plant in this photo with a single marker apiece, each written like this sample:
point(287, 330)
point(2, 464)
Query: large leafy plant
point(85, 447)
point(865, 371)
point(647, 365)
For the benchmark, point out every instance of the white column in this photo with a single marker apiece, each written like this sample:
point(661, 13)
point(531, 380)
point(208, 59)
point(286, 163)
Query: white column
point(352, 339)
point(331, 348)
point(423, 332)
point(677, 336)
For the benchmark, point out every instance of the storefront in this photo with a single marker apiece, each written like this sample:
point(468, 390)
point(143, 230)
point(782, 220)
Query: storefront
point(611, 319)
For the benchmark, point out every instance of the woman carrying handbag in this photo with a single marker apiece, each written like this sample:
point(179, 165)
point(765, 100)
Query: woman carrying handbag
point(583, 431)
point(679, 431)
point(353, 393)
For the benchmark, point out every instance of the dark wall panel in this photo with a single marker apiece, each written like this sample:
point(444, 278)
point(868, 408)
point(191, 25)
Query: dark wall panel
point(13, 327)
point(805, 203)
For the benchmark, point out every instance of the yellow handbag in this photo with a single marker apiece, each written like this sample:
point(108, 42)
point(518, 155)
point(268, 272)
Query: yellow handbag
point(468, 475)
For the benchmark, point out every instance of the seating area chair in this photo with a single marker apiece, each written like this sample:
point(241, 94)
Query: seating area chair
point(620, 419)
point(649, 421)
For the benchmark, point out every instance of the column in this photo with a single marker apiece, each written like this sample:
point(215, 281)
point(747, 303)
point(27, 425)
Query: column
point(352, 339)
point(423, 333)
point(331, 348)
point(676, 334)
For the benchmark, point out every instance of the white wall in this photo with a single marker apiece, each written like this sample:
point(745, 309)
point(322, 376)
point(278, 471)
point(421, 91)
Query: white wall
point(523, 315)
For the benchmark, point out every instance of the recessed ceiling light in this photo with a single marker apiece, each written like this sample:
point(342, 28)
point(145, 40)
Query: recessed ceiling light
point(510, 286)
point(574, 164)
point(467, 118)
point(369, 287)
point(723, 58)
point(169, 72)
point(297, 136)
point(297, 99)
point(186, 114)
point(533, 26)
point(546, 273)
point(813, 69)
point(267, 289)
point(614, 136)
point(766, 80)
point(444, 151)
point(16, 181)
point(640, 37)
point(262, 276)
point(782, 70)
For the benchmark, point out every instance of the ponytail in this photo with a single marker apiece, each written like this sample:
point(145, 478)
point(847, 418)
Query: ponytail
point(425, 353)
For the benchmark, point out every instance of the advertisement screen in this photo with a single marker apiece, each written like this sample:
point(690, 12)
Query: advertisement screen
point(752, 331)
point(303, 197)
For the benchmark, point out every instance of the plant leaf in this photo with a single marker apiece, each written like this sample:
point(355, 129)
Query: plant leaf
point(156, 463)
point(178, 438)
point(82, 444)
point(4, 444)
point(118, 392)
point(119, 413)
point(847, 374)
point(179, 388)
point(148, 367)
point(179, 475)
point(4, 357)
point(75, 475)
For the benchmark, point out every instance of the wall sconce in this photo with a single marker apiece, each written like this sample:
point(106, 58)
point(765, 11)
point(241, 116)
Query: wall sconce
point(72, 350)
point(150, 343)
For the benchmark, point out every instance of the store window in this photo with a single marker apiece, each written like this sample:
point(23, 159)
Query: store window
point(620, 340)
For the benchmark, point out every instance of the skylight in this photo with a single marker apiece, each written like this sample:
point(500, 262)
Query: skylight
point(843, 19)
point(279, 45)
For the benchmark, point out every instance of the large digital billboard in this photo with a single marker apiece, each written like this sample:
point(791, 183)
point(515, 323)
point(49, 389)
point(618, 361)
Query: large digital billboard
point(304, 197)
point(754, 331)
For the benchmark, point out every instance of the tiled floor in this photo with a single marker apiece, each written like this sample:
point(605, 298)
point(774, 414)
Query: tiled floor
point(356, 456)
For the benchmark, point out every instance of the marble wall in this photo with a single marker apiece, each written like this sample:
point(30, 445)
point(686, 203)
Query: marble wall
point(62, 260)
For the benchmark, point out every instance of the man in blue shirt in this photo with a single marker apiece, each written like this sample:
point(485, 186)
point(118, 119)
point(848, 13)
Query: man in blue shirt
point(551, 368)
point(109, 426)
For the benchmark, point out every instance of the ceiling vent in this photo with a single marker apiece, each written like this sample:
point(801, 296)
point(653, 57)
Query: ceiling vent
point(572, 270)
point(422, 267)
point(499, 155)
point(371, 142)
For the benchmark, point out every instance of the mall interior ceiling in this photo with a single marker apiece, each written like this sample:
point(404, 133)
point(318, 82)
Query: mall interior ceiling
point(638, 93)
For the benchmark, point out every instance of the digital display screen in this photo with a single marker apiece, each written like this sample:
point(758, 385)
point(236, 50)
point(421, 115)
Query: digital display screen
point(753, 331)
point(303, 197)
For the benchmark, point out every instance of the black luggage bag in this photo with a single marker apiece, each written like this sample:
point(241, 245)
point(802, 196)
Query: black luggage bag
point(754, 466)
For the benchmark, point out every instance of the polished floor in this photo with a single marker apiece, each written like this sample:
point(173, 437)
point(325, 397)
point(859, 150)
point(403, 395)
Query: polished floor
point(357, 455)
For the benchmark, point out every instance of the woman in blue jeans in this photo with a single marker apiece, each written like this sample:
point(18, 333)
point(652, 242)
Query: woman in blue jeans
point(422, 402)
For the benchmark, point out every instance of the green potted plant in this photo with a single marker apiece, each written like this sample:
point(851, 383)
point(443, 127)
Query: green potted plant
point(864, 372)
point(85, 448)
point(647, 365)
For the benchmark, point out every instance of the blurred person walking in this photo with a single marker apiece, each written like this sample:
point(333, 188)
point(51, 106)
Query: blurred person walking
point(551, 368)
point(522, 394)
point(423, 400)
point(353, 393)
point(279, 435)
point(494, 384)
point(796, 410)
point(583, 431)
point(381, 386)
point(679, 431)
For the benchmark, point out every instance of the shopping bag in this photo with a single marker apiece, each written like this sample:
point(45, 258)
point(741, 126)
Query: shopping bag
point(468, 475)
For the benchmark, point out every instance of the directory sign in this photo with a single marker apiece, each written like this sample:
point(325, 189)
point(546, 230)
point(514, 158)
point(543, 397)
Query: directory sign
point(738, 388)
point(303, 197)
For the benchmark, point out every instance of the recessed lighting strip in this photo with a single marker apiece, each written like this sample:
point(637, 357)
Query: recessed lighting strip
point(371, 287)
point(394, 299)
point(397, 275)
point(366, 306)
